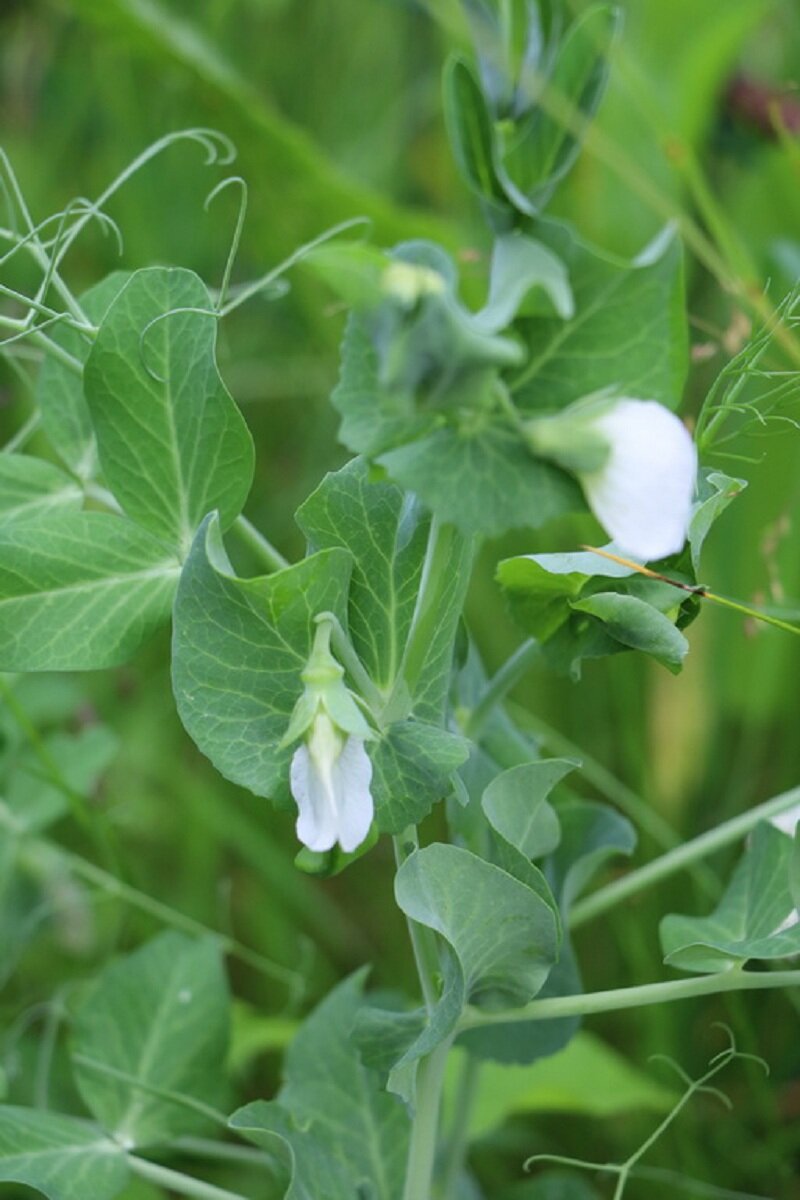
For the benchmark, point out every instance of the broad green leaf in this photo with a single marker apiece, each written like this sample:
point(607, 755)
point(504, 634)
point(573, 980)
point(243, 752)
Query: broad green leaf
point(386, 533)
point(794, 870)
point(504, 935)
point(637, 624)
point(80, 591)
point(587, 1078)
point(516, 805)
point(508, 487)
point(715, 493)
point(335, 1131)
point(59, 390)
point(31, 488)
point(591, 833)
point(628, 331)
point(61, 1157)
point(239, 647)
point(159, 1017)
point(412, 766)
point(755, 919)
point(173, 445)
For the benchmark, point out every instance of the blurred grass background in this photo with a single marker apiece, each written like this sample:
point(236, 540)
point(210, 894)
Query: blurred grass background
point(335, 111)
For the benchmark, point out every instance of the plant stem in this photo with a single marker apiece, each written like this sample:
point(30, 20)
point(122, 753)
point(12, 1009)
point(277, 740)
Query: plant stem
point(512, 670)
point(174, 1181)
point(422, 943)
point(425, 1126)
point(446, 569)
point(634, 997)
point(459, 1134)
point(263, 549)
point(680, 858)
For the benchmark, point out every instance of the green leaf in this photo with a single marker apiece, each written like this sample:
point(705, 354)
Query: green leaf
point(80, 591)
point(469, 129)
point(715, 493)
point(335, 1131)
point(412, 766)
point(31, 488)
point(59, 390)
point(159, 1017)
point(588, 1078)
point(637, 624)
point(539, 587)
point(536, 150)
point(504, 935)
point(173, 445)
point(516, 805)
point(628, 332)
point(387, 534)
point(794, 870)
point(753, 918)
point(508, 487)
point(239, 647)
point(591, 833)
point(61, 1157)
point(527, 279)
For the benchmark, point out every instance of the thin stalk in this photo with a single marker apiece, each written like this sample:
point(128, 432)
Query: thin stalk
point(263, 549)
point(507, 677)
point(171, 917)
point(680, 858)
point(646, 994)
point(135, 1084)
point(221, 1151)
point(425, 1125)
point(422, 944)
point(23, 434)
point(174, 1181)
point(459, 1133)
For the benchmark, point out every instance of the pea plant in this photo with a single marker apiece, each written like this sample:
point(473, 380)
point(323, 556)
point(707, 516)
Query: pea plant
point(346, 689)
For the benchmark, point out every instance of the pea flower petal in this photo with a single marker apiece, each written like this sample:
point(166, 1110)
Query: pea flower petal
point(642, 494)
point(330, 780)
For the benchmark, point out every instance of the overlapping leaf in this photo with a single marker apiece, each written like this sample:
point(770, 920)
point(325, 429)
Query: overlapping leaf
point(61, 1157)
point(80, 591)
point(334, 1130)
point(755, 919)
point(31, 488)
point(159, 1019)
point(239, 647)
point(173, 445)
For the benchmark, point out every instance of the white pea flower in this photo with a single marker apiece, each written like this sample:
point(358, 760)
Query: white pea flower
point(331, 772)
point(330, 780)
point(637, 465)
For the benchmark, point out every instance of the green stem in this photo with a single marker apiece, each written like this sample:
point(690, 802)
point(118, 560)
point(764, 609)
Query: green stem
point(680, 858)
point(459, 1134)
point(756, 614)
point(263, 549)
point(425, 1126)
point(347, 656)
point(174, 1181)
point(422, 941)
point(512, 670)
point(446, 568)
point(634, 997)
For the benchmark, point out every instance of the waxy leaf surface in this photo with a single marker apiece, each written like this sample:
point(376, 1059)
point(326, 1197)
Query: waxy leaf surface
point(159, 1017)
point(80, 591)
point(61, 1157)
point(31, 488)
point(173, 445)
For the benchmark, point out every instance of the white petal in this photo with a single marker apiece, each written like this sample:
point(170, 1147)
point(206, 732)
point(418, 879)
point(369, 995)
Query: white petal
point(355, 808)
point(316, 822)
point(642, 495)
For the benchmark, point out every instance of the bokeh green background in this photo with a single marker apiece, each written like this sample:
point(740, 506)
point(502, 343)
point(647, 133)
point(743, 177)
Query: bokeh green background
point(335, 111)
